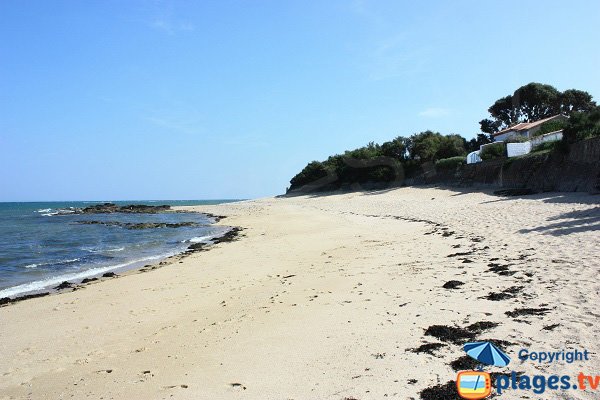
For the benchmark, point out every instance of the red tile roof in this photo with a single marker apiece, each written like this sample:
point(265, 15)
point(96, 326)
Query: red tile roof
point(523, 126)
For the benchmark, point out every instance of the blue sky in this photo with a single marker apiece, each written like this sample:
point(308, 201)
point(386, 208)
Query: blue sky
point(229, 99)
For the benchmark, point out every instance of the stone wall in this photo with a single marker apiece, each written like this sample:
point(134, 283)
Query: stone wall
point(579, 170)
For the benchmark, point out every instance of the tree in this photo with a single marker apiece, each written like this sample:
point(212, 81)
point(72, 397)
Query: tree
point(451, 146)
point(424, 146)
point(396, 148)
point(475, 143)
point(533, 102)
point(312, 172)
point(574, 100)
point(431, 146)
point(582, 125)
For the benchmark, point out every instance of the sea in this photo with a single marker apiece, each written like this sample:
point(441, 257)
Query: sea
point(44, 244)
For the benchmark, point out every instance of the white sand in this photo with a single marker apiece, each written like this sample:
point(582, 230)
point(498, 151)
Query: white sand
point(229, 324)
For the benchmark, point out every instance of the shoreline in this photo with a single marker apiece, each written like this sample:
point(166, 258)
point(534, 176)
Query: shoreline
point(345, 296)
point(79, 280)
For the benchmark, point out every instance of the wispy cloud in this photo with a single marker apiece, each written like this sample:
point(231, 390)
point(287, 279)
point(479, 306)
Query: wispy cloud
point(435, 112)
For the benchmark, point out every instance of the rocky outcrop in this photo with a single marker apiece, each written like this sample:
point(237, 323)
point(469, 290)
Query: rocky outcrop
point(111, 208)
point(140, 225)
point(7, 300)
point(108, 208)
point(229, 236)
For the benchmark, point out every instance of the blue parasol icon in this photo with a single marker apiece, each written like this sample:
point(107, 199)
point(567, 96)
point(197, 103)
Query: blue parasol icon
point(487, 353)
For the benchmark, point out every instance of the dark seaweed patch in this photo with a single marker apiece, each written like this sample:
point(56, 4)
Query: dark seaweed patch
point(452, 284)
point(527, 311)
point(447, 391)
point(509, 293)
point(464, 363)
point(458, 335)
point(465, 253)
point(551, 327)
point(428, 348)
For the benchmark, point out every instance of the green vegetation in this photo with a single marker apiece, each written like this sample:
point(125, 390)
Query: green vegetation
point(475, 143)
point(492, 151)
point(378, 165)
point(516, 139)
point(450, 163)
point(582, 125)
point(544, 147)
point(533, 102)
point(385, 163)
point(551, 126)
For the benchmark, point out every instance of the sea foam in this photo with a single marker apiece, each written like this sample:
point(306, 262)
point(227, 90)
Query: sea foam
point(55, 280)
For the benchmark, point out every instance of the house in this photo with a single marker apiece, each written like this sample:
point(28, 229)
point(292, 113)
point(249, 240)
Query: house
point(525, 129)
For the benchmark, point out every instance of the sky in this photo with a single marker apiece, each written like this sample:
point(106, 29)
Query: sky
point(111, 100)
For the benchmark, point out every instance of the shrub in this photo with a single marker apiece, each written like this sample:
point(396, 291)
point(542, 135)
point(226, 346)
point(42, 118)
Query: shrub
point(546, 146)
point(551, 126)
point(450, 163)
point(582, 126)
point(311, 173)
point(516, 139)
point(491, 151)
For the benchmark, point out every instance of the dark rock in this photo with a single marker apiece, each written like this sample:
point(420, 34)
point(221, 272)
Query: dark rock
point(108, 208)
point(109, 275)
point(64, 285)
point(139, 225)
point(229, 236)
point(88, 280)
point(6, 300)
point(196, 247)
point(216, 218)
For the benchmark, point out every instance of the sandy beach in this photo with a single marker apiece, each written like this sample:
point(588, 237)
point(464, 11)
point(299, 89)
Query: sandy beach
point(326, 297)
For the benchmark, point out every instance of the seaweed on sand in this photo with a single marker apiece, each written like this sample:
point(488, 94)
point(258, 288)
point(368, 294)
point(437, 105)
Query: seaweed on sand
point(509, 293)
point(458, 335)
point(452, 284)
point(527, 311)
point(447, 391)
point(428, 348)
point(464, 363)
